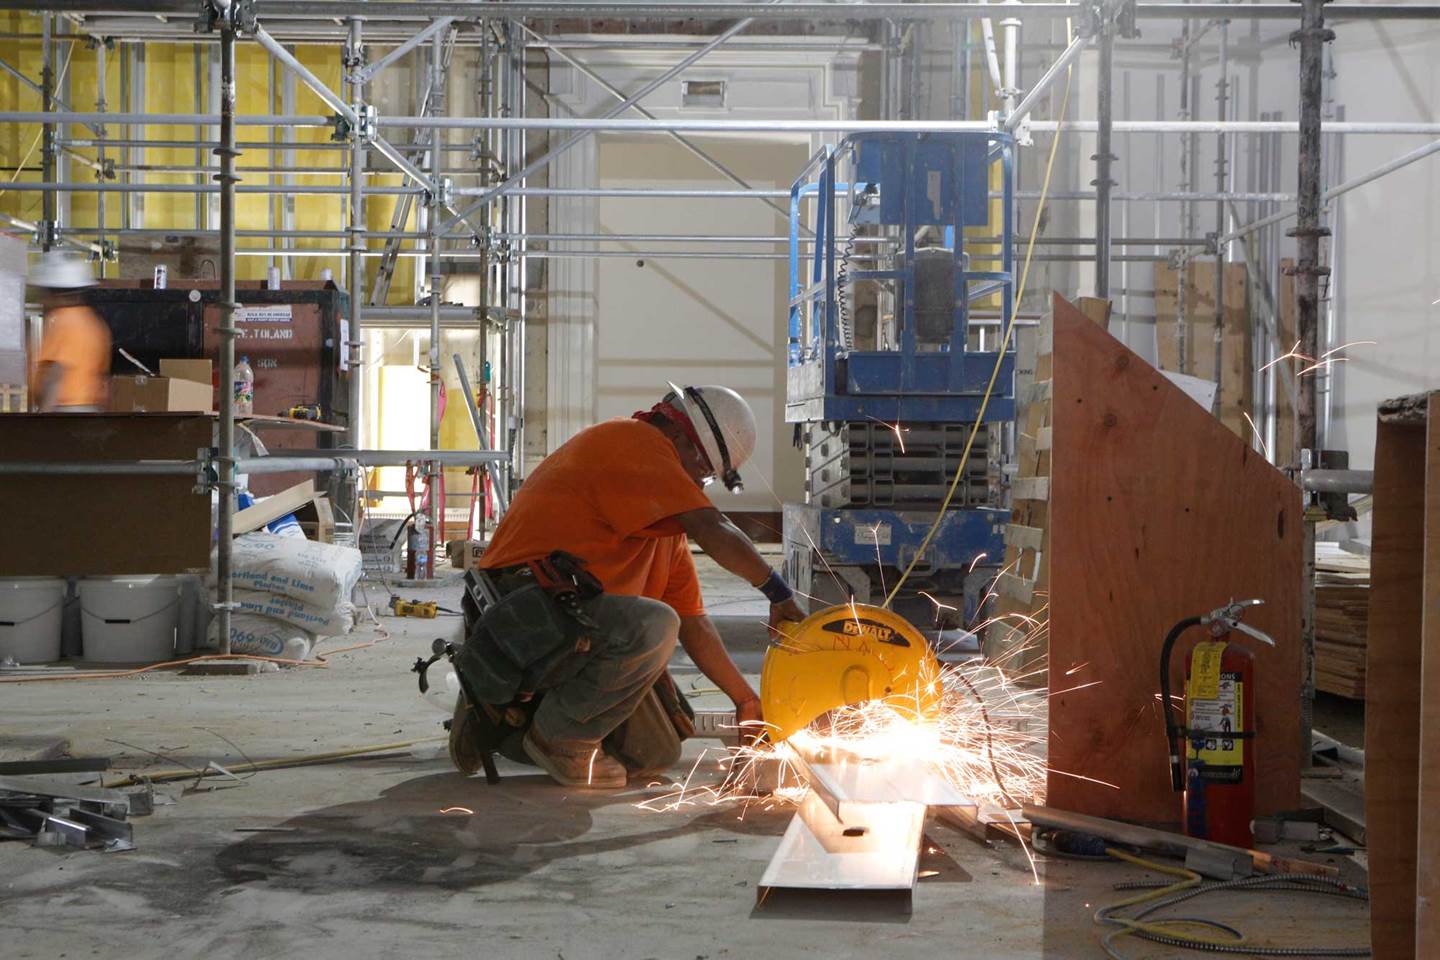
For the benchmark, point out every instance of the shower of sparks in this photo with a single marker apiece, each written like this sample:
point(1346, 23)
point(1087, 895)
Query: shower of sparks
point(894, 428)
point(1326, 360)
point(1352, 343)
point(1319, 365)
point(879, 563)
point(1255, 431)
point(1294, 353)
point(938, 605)
point(987, 740)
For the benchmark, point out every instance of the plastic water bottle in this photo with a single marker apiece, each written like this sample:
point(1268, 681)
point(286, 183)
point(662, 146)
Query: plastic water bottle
point(244, 380)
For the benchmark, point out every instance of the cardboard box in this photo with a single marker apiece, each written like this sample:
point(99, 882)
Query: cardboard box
point(183, 386)
point(142, 394)
point(464, 554)
point(197, 371)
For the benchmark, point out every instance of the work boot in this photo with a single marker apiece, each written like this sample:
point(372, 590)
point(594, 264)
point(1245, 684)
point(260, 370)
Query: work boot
point(575, 763)
point(465, 750)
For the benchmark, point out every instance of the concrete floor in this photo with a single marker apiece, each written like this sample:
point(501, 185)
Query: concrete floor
point(355, 860)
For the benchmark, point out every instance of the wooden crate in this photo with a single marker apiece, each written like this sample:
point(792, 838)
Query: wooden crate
point(12, 398)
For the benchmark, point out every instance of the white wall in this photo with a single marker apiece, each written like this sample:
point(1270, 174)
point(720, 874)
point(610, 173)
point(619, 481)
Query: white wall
point(1386, 248)
point(618, 331)
point(1388, 232)
point(698, 321)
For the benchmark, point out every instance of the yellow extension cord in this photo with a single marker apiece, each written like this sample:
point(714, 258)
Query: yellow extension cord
point(1173, 929)
point(999, 356)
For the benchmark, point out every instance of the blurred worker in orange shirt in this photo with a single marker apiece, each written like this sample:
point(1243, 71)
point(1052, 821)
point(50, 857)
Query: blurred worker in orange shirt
point(72, 373)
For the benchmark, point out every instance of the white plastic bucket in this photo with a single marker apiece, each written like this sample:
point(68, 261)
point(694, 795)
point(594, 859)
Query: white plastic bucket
point(129, 619)
point(31, 609)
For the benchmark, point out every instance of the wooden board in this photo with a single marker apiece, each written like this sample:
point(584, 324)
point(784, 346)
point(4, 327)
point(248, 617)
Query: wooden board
point(1157, 512)
point(1284, 409)
point(103, 525)
point(1236, 355)
point(1023, 589)
point(1392, 736)
point(1427, 847)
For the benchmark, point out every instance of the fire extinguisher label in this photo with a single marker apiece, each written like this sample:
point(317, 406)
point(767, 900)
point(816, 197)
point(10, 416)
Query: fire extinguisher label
point(1221, 757)
point(1205, 670)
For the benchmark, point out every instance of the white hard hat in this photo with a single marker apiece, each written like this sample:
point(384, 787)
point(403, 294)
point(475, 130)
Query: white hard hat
point(725, 425)
point(62, 271)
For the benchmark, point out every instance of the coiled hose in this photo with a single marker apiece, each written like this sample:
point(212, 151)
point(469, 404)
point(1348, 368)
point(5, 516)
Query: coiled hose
point(842, 293)
point(1172, 931)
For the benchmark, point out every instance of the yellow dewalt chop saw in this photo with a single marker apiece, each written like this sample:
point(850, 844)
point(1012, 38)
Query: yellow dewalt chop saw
point(841, 656)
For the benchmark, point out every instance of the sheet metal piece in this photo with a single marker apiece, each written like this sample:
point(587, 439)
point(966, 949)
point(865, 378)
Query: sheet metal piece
point(848, 784)
point(877, 850)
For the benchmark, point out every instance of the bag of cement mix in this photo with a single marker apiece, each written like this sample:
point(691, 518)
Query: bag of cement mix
point(267, 637)
point(320, 575)
point(326, 621)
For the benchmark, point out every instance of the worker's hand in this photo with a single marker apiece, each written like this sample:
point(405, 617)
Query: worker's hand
point(748, 717)
point(789, 610)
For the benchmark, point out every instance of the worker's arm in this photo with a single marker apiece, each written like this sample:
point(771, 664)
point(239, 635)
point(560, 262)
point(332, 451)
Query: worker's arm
point(702, 642)
point(730, 548)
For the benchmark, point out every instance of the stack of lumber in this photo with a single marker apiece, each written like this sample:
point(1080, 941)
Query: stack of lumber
point(1342, 606)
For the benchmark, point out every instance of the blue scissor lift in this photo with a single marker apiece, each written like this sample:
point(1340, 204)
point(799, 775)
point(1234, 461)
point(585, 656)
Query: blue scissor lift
point(885, 374)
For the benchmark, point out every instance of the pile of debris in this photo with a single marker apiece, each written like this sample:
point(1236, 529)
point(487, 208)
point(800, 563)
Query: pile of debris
point(51, 814)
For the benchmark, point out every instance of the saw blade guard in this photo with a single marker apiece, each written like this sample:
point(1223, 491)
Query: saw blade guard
point(845, 655)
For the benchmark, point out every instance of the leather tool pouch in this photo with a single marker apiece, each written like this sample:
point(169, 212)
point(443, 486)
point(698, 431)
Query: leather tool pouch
point(515, 644)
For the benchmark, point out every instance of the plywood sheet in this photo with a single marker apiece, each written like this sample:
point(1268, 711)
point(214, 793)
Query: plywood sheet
point(1157, 512)
point(1427, 847)
point(103, 525)
point(1392, 714)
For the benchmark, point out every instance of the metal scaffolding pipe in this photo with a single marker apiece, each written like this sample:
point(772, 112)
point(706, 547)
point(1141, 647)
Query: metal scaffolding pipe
point(702, 125)
point(331, 459)
point(1309, 228)
point(194, 188)
point(227, 305)
point(355, 212)
point(1339, 190)
point(688, 144)
point(364, 75)
point(1338, 481)
point(1031, 98)
point(610, 116)
point(801, 10)
point(150, 468)
point(1104, 110)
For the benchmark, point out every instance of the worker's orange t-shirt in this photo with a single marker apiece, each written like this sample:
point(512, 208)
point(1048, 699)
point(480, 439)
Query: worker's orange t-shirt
point(78, 342)
point(609, 496)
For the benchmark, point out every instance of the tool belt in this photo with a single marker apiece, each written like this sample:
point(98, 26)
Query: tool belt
point(527, 620)
point(522, 624)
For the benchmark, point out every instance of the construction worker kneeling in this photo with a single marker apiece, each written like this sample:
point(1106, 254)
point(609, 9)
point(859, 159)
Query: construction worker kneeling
point(588, 584)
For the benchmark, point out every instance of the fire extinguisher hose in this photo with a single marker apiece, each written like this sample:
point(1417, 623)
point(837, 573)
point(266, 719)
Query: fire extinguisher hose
point(1179, 931)
point(1174, 736)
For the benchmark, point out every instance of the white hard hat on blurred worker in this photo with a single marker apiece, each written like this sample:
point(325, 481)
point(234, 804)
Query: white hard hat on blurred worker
point(726, 427)
point(62, 271)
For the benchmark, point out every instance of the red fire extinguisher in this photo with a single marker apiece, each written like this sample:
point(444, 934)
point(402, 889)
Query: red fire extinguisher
point(1212, 756)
